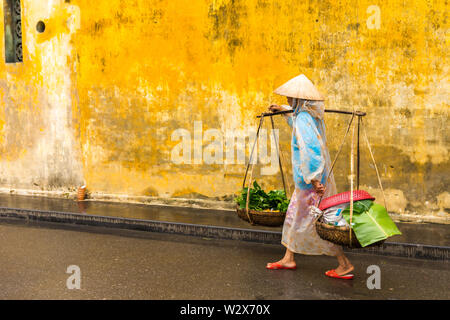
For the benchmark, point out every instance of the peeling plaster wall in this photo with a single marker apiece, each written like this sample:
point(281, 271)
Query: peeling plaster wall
point(37, 141)
point(101, 91)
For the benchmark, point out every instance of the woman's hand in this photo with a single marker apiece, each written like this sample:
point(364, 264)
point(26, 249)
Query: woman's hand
point(318, 187)
point(275, 108)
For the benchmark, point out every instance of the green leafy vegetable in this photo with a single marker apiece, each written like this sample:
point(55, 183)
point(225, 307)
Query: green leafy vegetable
point(370, 222)
point(262, 201)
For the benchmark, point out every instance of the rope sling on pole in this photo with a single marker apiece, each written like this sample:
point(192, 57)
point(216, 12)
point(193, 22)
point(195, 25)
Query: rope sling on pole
point(251, 164)
point(375, 165)
point(251, 171)
point(278, 153)
point(351, 182)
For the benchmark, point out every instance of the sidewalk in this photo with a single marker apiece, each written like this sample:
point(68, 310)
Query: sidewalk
point(429, 241)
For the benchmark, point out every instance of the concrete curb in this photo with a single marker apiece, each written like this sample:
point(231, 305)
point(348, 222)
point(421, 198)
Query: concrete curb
point(407, 250)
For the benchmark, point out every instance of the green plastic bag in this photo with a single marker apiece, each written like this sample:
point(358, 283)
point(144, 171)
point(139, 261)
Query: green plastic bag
point(371, 222)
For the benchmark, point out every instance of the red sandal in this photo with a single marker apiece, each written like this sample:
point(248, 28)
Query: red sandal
point(333, 274)
point(277, 266)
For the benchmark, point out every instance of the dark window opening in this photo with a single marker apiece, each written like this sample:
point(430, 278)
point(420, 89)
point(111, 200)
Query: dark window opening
point(13, 31)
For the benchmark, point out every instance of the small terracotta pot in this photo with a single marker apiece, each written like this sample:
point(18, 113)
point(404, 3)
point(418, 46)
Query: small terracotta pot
point(81, 193)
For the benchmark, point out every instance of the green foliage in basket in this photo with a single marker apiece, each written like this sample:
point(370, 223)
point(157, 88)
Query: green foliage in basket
point(370, 222)
point(259, 200)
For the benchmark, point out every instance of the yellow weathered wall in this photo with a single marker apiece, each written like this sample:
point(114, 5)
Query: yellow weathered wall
point(102, 89)
point(38, 146)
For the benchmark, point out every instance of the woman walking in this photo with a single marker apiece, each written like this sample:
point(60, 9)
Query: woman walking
point(310, 166)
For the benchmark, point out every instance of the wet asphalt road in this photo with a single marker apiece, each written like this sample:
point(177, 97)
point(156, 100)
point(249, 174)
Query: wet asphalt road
point(122, 264)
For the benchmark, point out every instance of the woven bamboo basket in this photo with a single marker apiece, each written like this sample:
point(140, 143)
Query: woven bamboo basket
point(335, 234)
point(263, 218)
point(340, 235)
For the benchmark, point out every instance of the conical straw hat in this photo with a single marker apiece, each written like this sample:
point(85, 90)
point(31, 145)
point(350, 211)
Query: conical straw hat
point(300, 87)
